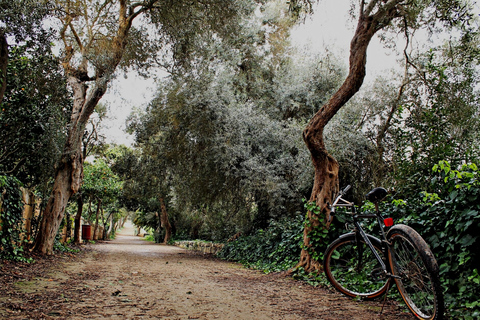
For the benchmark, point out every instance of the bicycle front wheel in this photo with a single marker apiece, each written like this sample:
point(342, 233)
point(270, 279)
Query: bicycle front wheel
point(352, 268)
point(416, 271)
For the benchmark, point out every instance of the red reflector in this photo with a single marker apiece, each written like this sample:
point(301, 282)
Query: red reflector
point(388, 222)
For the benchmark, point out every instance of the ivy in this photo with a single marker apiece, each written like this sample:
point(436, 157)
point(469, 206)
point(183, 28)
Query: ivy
point(318, 234)
point(448, 218)
point(274, 249)
point(11, 219)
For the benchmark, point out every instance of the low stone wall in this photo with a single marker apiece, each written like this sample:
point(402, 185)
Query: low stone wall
point(202, 246)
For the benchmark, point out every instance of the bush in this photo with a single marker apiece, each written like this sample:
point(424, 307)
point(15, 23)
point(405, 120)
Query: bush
point(11, 219)
point(449, 220)
point(275, 249)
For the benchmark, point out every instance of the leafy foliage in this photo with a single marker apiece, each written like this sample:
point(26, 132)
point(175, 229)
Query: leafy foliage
point(271, 250)
point(23, 20)
point(399, 128)
point(424, 125)
point(448, 219)
point(103, 187)
point(100, 182)
point(11, 219)
point(318, 233)
point(32, 115)
point(226, 134)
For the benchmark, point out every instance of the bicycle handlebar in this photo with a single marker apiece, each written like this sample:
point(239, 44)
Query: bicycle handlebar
point(337, 199)
point(346, 189)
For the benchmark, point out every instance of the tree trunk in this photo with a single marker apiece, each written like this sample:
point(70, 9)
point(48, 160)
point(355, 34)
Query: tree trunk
point(325, 185)
point(69, 175)
point(68, 228)
point(165, 223)
point(95, 229)
point(3, 63)
point(78, 219)
point(28, 212)
point(110, 227)
point(53, 214)
point(105, 230)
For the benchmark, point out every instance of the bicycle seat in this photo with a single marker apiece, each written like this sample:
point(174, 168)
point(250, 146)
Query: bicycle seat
point(376, 194)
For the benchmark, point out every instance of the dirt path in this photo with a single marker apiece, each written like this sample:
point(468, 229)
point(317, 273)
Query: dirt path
point(130, 278)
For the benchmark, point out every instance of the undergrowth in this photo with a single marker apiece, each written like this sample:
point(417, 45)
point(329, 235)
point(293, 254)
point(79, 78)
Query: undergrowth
point(448, 218)
point(272, 250)
point(11, 220)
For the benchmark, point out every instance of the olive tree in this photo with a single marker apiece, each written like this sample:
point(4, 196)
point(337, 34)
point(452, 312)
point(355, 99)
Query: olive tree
point(229, 130)
point(97, 38)
point(372, 16)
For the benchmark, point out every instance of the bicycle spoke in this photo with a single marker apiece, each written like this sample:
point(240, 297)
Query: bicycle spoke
point(415, 284)
point(354, 270)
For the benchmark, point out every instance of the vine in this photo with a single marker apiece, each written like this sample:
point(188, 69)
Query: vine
point(319, 232)
point(11, 218)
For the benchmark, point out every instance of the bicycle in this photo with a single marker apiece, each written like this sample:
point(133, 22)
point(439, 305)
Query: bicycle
point(360, 265)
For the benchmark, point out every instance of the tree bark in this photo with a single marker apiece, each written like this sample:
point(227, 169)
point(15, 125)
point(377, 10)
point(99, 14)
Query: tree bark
point(78, 219)
point(68, 228)
point(28, 211)
point(106, 231)
point(3, 63)
point(165, 223)
point(54, 211)
point(325, 185)
point(97, 214)
point(69, 175)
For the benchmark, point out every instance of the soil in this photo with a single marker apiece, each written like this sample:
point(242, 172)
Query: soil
point(130, 278)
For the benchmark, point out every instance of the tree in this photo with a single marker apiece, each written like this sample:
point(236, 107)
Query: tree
point(101, 186)
point(92, 141)
point(22, 21)
point(32, 115)
point(228, 130)
point(97, 38)
point(146, 188)
point(439, 119)
point(372, 17)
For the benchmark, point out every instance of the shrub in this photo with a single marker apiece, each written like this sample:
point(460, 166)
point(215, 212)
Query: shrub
point(11, 219)
point(449, 220)
point(275, 249)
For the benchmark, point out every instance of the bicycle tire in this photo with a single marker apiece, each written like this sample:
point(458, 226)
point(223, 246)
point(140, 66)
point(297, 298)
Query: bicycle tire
point(354, 277)
point(417, 273)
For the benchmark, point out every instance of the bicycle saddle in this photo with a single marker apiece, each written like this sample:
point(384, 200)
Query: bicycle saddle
point(376, 194)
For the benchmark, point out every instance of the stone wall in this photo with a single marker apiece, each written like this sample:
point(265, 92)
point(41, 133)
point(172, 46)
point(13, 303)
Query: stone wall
point(202, 246)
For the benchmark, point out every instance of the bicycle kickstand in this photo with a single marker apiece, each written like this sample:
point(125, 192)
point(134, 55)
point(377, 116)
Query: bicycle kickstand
point(386, 294)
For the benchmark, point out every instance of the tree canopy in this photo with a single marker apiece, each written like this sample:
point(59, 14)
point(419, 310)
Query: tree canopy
point(219, 152)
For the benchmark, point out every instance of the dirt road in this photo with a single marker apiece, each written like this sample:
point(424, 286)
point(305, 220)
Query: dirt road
point(129, 278)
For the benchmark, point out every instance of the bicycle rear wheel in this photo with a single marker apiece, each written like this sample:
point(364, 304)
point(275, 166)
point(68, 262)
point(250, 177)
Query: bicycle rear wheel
point(412, 261)
point(351, 267)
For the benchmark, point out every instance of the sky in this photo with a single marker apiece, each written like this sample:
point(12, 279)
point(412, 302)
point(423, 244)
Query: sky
point(330, 26)
point(123, 96)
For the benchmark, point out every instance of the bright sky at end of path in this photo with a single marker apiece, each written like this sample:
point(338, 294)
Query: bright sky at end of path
point(122, 97)
point(329, 27)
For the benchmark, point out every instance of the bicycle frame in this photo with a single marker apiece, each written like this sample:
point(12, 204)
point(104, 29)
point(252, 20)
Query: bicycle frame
point(399, 255)
point(340, 202)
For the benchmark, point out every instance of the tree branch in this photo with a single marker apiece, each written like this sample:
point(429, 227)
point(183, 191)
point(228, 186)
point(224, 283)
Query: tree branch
point(75, 35)
point(371, 5)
